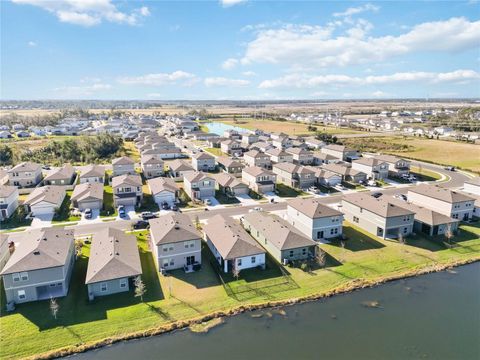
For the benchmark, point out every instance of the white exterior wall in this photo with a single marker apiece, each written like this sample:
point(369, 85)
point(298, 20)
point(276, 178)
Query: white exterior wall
point(456, 210)
point(311, 227)
point(247, 261)
point(471, 188)
point(164, 196)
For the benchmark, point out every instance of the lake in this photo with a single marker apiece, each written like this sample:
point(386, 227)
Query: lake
point(218, 128)
point(434, 316)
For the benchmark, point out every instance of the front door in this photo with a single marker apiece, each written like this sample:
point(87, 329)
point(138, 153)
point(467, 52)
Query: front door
point(319, 234)
point(465, 217)
point(190, 260)
point(4, 213)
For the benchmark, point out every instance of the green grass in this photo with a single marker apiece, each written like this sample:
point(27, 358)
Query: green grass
point(16, 220)
point(108, 204)
point(215, 151)
point(63, 214)
point(283, 190)
point(353, 186)
point(224, 199)
point(424, 174)
point(30, 329)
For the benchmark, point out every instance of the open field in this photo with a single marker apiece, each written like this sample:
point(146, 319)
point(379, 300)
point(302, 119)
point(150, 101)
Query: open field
point(364, 259)
point(441, 152)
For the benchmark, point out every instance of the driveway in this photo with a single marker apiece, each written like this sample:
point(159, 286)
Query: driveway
point(95, 217)
point(44, 220)
point(275, 197)
point(129, 213)
point(246, 200)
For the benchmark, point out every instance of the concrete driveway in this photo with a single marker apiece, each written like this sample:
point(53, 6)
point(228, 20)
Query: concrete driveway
point(44, 220)
point(275, 197)
point(246, 200)
point(129, 213)
point(95, 216)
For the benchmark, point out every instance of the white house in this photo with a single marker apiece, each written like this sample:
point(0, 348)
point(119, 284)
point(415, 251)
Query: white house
point(164, 190)
point(45, 200)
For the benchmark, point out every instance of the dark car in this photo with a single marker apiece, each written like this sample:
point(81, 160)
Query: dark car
point(141, 224)
point(88, 213)
point(165, 206)
point(450, 168)
point(376, 195)
point(121, 211)
point(174, 207)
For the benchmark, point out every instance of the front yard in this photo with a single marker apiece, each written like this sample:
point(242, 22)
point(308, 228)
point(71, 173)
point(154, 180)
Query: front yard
point(32, 330)
point(63, 214)
point(283, 190)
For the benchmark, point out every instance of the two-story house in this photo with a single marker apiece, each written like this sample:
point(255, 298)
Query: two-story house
point(92, 174)
point(199, 186)
point(295, 176)
point(8, 201)
point(281, 142)
point(175, 243)
point(279, 156)
point(179, 169)
point(283, 241)
point(262, 146)
point(346, 172)
point(231, 245)
point(25, 174)
point(314, 219)
point(257, 158)
point(152, 166)
point(230, 185)
point(396, 166)
point(113, 263)
point(127, 190)
point(231, 147)
point(61, 176)
point(123, 166)
point(259, 179)
point(230, 166)
point(374, 168)
point(340, 152)
point(40, 266)
point(248, 139)
point(203, 162)
point(378, 216)
point(300, 155)
point(454, 204)
point(324, 177)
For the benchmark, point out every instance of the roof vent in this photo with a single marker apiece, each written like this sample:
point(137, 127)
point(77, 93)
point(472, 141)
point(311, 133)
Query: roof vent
point(36, 252)
point(44, 238)
point(176, 227)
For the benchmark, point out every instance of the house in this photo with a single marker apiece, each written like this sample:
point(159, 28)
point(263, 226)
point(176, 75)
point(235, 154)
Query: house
point(257, 158)
point(374, 168)
point(314, 144)
point(340, 152)
point(175, 242)
point(396, 166)
point(279, 156)
point(127, 190)
point(283, 241)
point(164, 153)
point(5, 247)
point(231, 147)
point(472, 186)
point(231, 245)
point(151, 166)
point(428, 221)
point(231, 185)
point(300, 156)
point(346, 172)
point(249, 138)
point(44, 200)
point(3, 176)
point(281, 142)
point(40, 266)
point(199, 185)
point(8, 201)
point(325, 177)
point(295, 176)
point(92, 174)
point(5, 134)
point(164, 190)
point(87, 196)
point(320, 158)
point(230, 166)
point(180, 168)
point(378, 216)
point(259, 179)
point(61, 176)
point(454, 204)
point(261, 146)
point(203, 162)
point(315, 220)
point(123, 166)
point(114, 261)
point(25, 174)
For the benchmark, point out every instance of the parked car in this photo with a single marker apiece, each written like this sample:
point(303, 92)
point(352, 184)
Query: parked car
point(121, 211)
point(165, 206)
point(372, 183)
point(88, 213)
point(400, 196)
point(450, 168)
point(314, 189)
point(256, 208)
point(376, 195)
point(208, 202)
point(46, 167)
point(412, 178)
point(147, 215)
point(174, 207)
point(140, 224)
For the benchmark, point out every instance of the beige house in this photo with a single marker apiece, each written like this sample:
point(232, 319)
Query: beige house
point(295, 176)
point(324, 177)
point(230, 166)
point(279, 156)
point(396, 166)
point(179, 169)
point(92, 174)
point(199, 185)
point(127, 190)
point(374, 168)
point(454, 204)
point(231, 185)
point(25, 174)
point(87, 196)
point(300, 155)
point(203, 162)
point(346, 172)
point(45, 200)
point(152, 166)
point(257, 158)
point(320, 158)
point(61, 176)
point(123, 166)
point(231, 245)
point(175, 242)
point(340, 152)
point(231, 147)
point(8, 201)
point(164, 190)
point(259, 179)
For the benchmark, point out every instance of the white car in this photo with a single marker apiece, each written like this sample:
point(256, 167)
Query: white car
point(314, 189)
point(256, 208)
point(207, 202)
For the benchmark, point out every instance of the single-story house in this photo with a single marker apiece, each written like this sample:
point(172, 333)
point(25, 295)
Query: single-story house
point(230, 166)
point(164, 190)
point(61, 176)
point(45, 200)
point(92, 174)
point(87, 196)
point(231, 185)
point(180, 168)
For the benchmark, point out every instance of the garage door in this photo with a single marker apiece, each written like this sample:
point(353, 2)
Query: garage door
point(89, 205)
point(160, 199)
point(42, 210)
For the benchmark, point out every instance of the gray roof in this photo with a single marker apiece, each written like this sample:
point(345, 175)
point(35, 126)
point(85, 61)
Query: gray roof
point(277, 231)
point(132, 180)
point(6, 190)
point(180, 165)
point(203, 156)
point(230, 239)
point(424, 215)
point(293, 168)
point(64, 173)
point(50, 193)
point(342, 169)
point(380, 206)
point(322, 173)
point(276, 152)
point(151, 159)
point(439, 193)
point(389, 158)
point(313, 208)
point(124, 160)
point(40, 249)
point(228, 180)
point(93, 171)
point(257, 171)
point(197, 176)
point(160, 184)
point(298, 151)
point(87, 191)
point(113, 255)
point(173, 228)
point(229, 162)
point(25, 166)
point(369, 161)
point(256, 154)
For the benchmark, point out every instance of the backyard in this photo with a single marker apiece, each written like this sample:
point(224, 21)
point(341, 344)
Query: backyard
point(361, 259)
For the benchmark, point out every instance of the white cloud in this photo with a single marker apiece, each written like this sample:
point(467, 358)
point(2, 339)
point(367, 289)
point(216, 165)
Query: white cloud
point(155, 95)
point(229, 64)
point(88, 12)
point(160, 79)
point(86, 90)
point(307, 46)
point(249, 73)
point(221, 81)
point(379, 94)
point(357, 10)
point(228, 3)
point(32, 43)
point(306, 81)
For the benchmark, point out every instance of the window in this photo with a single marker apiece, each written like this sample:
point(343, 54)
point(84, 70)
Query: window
point(334, 231)
point(123, 283)
point(165, 248)
point(304, 251)
point(53, 285)
point(291, 253)
point(16, 277)
point(21, 294)
point(24, 276)
point(172, 262)
point(405, 230)
point(239, 262)
point(103, 287)
point(253, 259)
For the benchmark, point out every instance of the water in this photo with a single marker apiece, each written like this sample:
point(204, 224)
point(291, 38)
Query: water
point(435, 316)
point(218, 128)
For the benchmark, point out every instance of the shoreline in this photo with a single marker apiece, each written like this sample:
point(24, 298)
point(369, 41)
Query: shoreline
point(353, 285)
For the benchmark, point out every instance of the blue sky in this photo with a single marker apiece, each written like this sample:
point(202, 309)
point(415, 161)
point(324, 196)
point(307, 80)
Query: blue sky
point(239, 50)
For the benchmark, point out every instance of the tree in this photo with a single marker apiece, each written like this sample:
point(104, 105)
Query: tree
point(54, 307)
point(401, 238)
point(321, 258)
point(6, 155)
point(235, 272)
point(449, 233)
point(140, 288)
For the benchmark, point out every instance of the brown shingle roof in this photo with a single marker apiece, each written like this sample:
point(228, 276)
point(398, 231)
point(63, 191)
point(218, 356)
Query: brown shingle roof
point(92, 171)
point(257, 171)
point(439, 193)
point(65, 172)
point(133, 180)
point(380, 206)
point(87, 191)
point(313, 208)
point(173, 228)
point(160, 184)
point(124, 160)
point(6, 190)
point(50, 193)
point(25, 166)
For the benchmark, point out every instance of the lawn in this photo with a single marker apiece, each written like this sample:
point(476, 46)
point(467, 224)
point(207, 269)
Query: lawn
point(363, 258)
point(283, 190)
point(16, 220)
point(215, 151)
point(63, 214)
point(224, 199)
point(108, 205)
point(131, 151)
point(424, 174)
